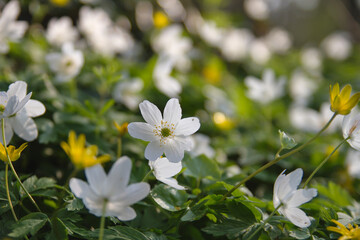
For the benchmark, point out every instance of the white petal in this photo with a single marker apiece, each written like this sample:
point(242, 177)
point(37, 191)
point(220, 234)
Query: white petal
point(187, 126)
point(22, 103)
point(132, 194)
point(301, 196)
point(18, 89)
point(297, 217)
point(127, 214)
point(34, 108)
point(11, 106)
point(143, 131)
point(163, 168)
point(150, 113)
point(118, 177)
point(174, 150)
point(289, 184)
point(153, 150)
point(96, 177)
point(172, 111)
point(24, 126)
point(172, 182)
point(278, 182)
point(79, 187)
point(8, 132)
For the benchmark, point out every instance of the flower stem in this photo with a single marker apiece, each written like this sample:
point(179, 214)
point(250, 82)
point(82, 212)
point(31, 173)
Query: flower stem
point(102, 221)
point(118, 154)
point(12, 167)
point(264, 222)
point(147, 176)
point(323, 162)
point(8, 192)
point(278, 158)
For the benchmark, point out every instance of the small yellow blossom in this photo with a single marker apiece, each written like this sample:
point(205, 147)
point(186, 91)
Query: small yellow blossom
point(222, 122)
point(122, 129)
point(60, 3)
point(160, 20)
point(348, 233)
point(14, 153)
point(81, 156)
point(212, 74)
point(341, 102)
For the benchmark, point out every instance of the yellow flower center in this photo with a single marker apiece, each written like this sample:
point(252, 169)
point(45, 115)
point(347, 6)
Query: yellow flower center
point(165, 131)
point(2, 108)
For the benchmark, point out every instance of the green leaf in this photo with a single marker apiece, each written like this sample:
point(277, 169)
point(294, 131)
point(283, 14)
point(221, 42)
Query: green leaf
point(229, 227)
point(75, 204)
point(31, 223)
point(33, 184)
point(169, 198)
point(58, 230)
point(107, 105)
point(201, 167)
point(301, 233)
point(286, 141)
point(196, 212)
point(241, 211)
point(336, 193)
point(128, 233)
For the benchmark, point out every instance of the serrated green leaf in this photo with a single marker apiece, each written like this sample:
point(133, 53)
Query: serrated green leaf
point(169, 198)
point(75, 204)
point(128, 233)
point(301, 233)
point(336, 193)
point(33, 184)
point(31, 223)
point(195, 213)
point(286, 141)
point(201, 167)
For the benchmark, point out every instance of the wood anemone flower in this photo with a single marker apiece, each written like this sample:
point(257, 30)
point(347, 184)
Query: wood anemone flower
point(341, 101)
point(14, 153)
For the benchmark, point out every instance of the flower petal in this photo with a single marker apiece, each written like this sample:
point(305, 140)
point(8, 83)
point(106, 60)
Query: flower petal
point(172, 182)
point(143, 131)
point(289, 184)
point(300, 197)
point(153, 150)
point(24, 126)
point(79, 187)
point(126, 214)
point(163, 168)
point(297, 217)
point(34, 108)
point(118, 177)
point(150, 113)
point(172, 111)
point(8, 132)
point(187, 126)
point(174, 148)
point(18, 89)
point(132, 194)
point(96, 177)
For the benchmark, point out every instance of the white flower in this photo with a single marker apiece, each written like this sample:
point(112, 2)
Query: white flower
point(60, 31)
point(302, 87)
point(337, 46)
point(171, 44)
point(164, 170)
point(66, 64)
point(164, 82)
point(211, 34)
point(10, 29)
point(265, 90)
point(287, 194)
point(351, 128)
point(353, 163)
point(311, 59)
point(257, 9)
point(259, 52)
point(278, 40)
point(235, 44)
point(168, 134)
point(201, 145)
point(112, 188)
point(13, 101)
point(21, 121)
point(128, 92)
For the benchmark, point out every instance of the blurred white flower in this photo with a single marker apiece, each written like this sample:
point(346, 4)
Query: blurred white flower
point(267, 89)
point(351, 128)
point(66, 64)
point(353, 163)
point(128, 92)
point(144, 15)
point(168, 134)
point(210, 33)
point(164, 170)
point(287, 194)
point(171, 44)
point(257, 9)
point(301, 87)
point(163, 81)
point(337, 46)
point(60, 31)
point(311, 59)
point(235, 44)
point(278, 40)
point(102, 35)
point(218, 100)
point(173, 8)
point(20, 120)
point(259, 52)
point(112, 190)
point(10, 29)
point(201, 145)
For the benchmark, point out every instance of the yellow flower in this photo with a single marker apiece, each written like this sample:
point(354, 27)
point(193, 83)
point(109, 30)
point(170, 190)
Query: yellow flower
point(122, 129)
point(14, 153)
point(160, 20)
point(60, 3)
point(81, 156)
point(222, 122)
point(341, 102)
point(212, 73)
point(347, 233)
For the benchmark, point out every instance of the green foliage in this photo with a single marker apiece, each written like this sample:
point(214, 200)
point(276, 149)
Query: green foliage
point(30, 224)
point(169, 198)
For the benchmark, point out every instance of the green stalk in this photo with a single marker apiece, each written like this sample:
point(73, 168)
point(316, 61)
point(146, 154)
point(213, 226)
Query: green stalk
point(323, 162)
point(278, 158)
point(264, 222)
point(102, 221)
point(147, 176)
point(118, 154)
point(8, 192)
point(12, 167)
